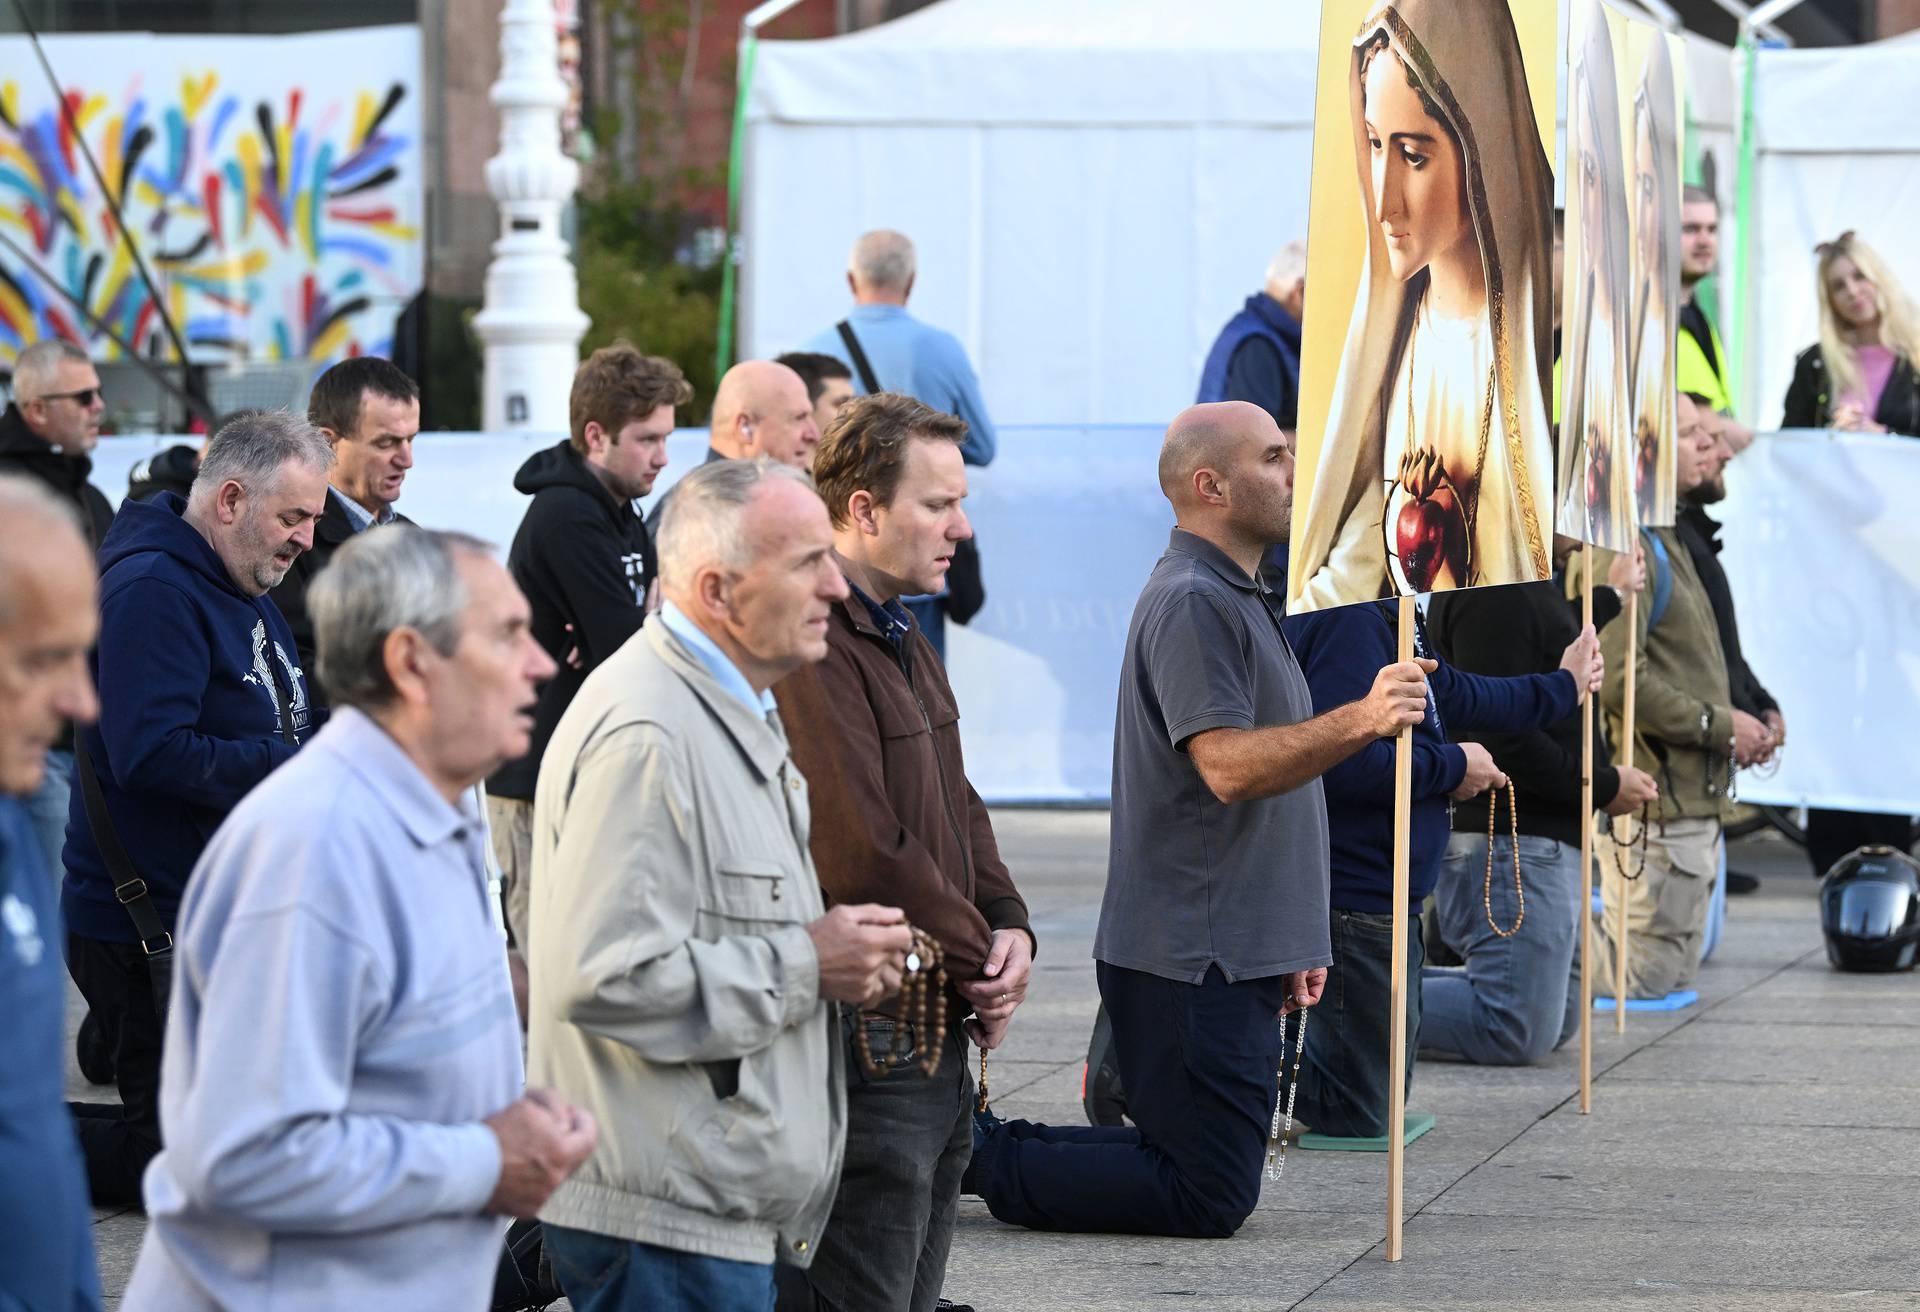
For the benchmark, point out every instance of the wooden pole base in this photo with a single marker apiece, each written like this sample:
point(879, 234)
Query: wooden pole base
point(1586, 853)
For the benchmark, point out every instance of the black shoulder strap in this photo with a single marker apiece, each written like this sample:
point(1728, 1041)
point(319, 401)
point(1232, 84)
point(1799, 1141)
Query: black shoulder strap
point(128, 888)
point(861, 364)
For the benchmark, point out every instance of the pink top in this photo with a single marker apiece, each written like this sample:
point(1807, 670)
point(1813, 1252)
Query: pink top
point(1876, 367)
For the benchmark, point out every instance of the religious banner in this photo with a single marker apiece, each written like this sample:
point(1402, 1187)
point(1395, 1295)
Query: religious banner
point(273, 186)
point(1597, 457)
point(1425, 456)
point(1652, 86)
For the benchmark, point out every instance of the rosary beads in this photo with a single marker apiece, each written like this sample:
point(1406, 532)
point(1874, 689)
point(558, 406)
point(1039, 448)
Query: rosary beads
point(1278, 1136)
point(922, 1025)
point(1638, 841)
point(1486, 889)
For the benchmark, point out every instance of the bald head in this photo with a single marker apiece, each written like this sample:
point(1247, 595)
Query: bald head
point(761, 408)
point(881, 268)
point(48, 619)
point(1228, 470)
point(1214, 437)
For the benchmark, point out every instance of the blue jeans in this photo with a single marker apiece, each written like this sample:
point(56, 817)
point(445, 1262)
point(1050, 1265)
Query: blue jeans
point(1343, 1077)
point(1517, 999)
point(602, 1274)
point(1198, 1062)
point(47, 807)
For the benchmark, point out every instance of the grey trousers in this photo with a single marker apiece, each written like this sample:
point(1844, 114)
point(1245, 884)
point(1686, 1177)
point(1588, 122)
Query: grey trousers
point(908, 1142)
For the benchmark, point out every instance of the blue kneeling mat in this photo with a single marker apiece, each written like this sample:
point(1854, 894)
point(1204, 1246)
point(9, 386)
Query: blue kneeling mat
point(1674, 1001)
point(1415, 1125)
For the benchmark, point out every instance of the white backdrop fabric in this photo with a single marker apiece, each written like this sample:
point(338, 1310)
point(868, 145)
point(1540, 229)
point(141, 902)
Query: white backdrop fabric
point(1822, 551)
point(1094, 186)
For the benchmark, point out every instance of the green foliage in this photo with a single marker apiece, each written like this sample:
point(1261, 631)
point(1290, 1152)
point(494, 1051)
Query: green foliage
point(635, 286)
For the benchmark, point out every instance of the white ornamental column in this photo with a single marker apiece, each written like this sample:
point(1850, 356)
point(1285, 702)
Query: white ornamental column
point(531, 324)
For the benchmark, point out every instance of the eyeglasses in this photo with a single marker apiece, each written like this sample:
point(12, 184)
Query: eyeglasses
point(85, 396)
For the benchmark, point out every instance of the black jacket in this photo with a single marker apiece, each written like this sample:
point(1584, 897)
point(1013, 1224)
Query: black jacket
point(1701, 532)
point(25, 452)
point(1523, 629)
point(583, 559)
point(332, 530)
point(1810, 403)
point(22, 451)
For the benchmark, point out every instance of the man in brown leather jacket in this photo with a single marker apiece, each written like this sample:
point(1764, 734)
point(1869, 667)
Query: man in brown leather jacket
point(875, 730)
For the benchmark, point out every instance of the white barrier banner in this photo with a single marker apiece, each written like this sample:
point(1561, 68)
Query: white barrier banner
point(1823, 552)
point(1822, 548)
point(1070, 521)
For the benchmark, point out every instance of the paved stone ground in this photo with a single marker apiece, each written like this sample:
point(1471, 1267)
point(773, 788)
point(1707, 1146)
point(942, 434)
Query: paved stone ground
point(1756, 1151)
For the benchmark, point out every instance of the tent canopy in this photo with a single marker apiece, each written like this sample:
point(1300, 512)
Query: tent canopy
point(1093, 185)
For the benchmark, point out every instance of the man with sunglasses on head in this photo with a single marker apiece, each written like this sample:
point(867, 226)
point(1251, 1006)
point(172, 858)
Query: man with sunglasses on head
point(46, 435)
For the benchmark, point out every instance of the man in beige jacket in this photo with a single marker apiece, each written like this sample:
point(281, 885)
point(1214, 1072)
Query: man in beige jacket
point(681, 966)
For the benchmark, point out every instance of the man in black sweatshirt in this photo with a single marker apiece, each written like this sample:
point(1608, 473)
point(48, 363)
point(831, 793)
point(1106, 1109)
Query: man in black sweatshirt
point(585, 561)
point(1513, 1002)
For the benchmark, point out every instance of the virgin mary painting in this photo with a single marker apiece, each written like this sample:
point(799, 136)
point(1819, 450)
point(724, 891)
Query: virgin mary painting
point(1436, 463)
point(1656, 259)
point(1596, 464)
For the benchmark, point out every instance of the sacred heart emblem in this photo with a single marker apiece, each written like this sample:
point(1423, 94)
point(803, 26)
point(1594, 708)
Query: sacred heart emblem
point(1430, 532)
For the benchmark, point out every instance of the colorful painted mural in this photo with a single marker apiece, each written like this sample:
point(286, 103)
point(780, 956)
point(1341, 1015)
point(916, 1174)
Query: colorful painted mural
point(272, 185)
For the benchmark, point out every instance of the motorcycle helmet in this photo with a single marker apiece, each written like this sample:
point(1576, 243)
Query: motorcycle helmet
point(1870, 910)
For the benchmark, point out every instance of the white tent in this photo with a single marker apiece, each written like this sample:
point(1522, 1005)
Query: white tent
point(1093, 185)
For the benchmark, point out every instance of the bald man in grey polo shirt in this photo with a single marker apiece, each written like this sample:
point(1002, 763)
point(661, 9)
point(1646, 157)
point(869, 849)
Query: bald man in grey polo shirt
point(1215, 914)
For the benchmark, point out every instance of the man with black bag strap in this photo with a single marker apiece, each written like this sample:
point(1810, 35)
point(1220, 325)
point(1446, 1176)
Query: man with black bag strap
point(891, 351)
point(201, 696)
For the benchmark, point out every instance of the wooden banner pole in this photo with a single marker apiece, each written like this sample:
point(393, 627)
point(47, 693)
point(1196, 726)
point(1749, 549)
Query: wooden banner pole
point(1632, 621)
point(1586, 852)
point(1397, 987)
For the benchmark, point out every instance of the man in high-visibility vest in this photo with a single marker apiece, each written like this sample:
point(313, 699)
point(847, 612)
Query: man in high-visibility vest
point(1700, 362)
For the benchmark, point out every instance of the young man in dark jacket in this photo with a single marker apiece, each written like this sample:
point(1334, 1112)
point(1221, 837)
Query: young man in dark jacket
point(875, 731)
point(1343, 1080)
point(46, 435)
point(1513, 1001)
point(585, 561)
point(201, 696)
point(369, 412)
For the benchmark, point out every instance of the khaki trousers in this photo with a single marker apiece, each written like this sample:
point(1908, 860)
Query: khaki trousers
point(1666, 906)
point(511, 821)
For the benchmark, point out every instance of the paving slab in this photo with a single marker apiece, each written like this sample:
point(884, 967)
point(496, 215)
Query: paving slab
point(1750, 1153)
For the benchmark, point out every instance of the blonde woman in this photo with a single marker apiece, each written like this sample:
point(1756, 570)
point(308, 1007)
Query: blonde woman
point(1437, 463)
point(1859, 377)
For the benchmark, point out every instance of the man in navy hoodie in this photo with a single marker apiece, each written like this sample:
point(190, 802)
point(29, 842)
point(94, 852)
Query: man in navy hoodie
point(201, 696)
point(1343, 1081)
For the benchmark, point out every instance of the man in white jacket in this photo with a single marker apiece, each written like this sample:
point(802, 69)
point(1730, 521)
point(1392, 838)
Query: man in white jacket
point(341, 1097)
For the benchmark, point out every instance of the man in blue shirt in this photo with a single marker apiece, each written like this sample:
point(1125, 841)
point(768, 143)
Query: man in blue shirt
point(891, 351)
point(359, 1147)
point(48, 618)
point(1256, 357)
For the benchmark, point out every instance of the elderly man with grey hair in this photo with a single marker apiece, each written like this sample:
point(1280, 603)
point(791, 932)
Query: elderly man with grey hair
point(360, 1147)
point(681, 963)
point(1256, 357)
point(201, 696)
point(891, 351)
point(45, 434)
